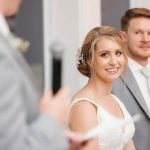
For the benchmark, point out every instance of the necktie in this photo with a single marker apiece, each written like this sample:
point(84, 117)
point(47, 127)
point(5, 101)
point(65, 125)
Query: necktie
point(146, 72)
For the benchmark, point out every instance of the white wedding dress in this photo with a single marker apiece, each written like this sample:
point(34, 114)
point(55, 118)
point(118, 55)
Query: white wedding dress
point(113, 136)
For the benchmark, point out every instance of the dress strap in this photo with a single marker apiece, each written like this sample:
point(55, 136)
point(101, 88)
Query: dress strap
point(124, 110)
point(76, 100)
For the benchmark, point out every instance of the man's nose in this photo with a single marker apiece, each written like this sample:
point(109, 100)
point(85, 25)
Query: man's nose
point(146, 37)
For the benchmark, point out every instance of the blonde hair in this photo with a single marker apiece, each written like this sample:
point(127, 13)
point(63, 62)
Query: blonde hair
point(89, 46)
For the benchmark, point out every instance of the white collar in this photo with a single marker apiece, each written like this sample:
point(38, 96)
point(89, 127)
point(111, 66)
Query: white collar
point(4, 28)
point(133, 65)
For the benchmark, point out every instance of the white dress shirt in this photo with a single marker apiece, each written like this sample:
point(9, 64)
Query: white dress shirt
point(4, 28)
point(16, 42)
point(140, 79)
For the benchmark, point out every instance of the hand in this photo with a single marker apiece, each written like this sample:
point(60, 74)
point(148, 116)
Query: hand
point(57, 105)
point(75, 140)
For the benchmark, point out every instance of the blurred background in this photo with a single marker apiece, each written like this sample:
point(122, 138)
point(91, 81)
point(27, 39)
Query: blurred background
point(43, 22)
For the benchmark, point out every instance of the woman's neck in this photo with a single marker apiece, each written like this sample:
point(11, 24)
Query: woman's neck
point(99, 87)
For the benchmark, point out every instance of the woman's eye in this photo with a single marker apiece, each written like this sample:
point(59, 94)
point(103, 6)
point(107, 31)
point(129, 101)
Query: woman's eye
point(119, 53)
point(104, 55)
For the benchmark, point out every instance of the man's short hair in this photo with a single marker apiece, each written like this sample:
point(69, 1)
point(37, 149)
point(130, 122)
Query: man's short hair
point(133, 13)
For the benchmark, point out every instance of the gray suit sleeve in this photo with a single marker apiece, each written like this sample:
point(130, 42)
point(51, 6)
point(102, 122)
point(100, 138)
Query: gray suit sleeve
point(21, 127)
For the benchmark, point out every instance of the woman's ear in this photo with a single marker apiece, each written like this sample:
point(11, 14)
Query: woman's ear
point(123, 35)
point(89, 62)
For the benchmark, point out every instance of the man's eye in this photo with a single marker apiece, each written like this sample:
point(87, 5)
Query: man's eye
point(137, 32)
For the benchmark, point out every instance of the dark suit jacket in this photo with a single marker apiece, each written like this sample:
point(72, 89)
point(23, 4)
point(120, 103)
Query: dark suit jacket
point(126, 88)
point(21, 126)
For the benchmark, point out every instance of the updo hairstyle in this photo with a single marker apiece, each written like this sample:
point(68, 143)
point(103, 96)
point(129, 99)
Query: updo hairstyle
point(89, 46)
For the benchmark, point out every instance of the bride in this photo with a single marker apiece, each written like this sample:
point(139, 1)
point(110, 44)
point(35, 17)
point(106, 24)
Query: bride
point(102, 59)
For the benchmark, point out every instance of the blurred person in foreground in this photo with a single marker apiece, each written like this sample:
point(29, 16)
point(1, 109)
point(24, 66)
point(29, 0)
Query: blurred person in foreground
point(132, 86)
point(102, 59)
point(25, 122)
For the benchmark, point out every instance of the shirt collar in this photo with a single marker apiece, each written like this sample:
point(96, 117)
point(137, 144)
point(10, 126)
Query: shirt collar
point(4, 28)
point(134, 66)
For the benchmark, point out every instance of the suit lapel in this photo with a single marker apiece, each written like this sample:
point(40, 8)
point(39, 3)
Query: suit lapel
point(131, 83)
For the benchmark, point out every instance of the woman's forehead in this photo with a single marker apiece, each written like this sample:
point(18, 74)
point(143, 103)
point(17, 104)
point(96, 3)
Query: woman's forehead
point(107, 43)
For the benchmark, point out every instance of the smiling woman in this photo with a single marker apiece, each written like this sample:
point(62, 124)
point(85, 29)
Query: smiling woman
point(102, 58)
point(108, 61)
point(90, 46)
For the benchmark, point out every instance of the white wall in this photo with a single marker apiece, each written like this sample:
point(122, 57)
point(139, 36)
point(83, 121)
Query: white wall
point(68, 21)
point(89, 17)
point(140, 3)
point(47, 38)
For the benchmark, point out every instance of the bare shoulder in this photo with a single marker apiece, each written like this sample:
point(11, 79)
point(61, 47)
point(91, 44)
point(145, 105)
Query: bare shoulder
point(83, 115)
point(83, 92)
point(82, 103)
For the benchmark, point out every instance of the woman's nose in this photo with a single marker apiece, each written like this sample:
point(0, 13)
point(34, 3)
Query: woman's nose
point(112, 60)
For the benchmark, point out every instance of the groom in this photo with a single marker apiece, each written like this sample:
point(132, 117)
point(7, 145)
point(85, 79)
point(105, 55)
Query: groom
point(132, 87)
